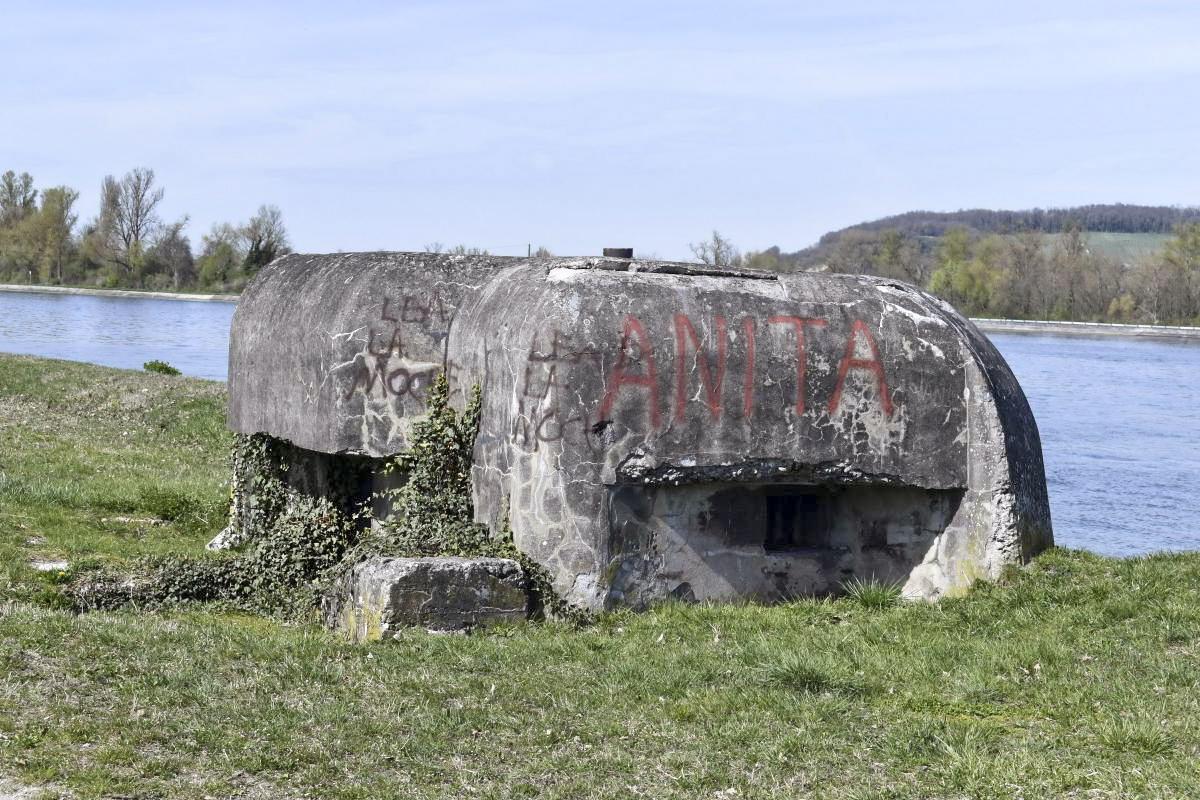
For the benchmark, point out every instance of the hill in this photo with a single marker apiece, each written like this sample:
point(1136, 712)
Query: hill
point(1097, 263)
point(1121, 231)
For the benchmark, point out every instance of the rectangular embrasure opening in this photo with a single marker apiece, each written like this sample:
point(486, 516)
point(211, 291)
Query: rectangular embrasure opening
point(796, 518)
point(770, 540)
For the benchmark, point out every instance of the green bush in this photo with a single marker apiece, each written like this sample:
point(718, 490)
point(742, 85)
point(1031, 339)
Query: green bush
point(161, 367)
point(1143, 737)
point(281, 572)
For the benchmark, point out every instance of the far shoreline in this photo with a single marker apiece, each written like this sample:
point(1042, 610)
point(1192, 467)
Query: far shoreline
point(987, 325)
point(195, 298)
point(1056, 328)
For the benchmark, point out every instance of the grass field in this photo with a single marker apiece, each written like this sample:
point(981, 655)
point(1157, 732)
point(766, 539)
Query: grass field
point(102, 465)
point(1127, 248)
point(1124, 248)
point(1076, 677)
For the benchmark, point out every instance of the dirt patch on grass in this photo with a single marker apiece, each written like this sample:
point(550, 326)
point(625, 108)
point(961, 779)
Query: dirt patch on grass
point(10, 790)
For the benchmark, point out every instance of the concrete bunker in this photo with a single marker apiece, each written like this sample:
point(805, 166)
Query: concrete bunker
point(655, 429)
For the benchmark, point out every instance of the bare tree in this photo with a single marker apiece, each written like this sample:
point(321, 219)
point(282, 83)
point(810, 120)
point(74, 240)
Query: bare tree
point(856, 252)
point(1182, 256)
point(1082, 283)
point(463, 250)
point(265, 238)
point(128, 217)
point(1157, 288)
point(1026, 259)
point(716, 252)
point(456, 250)
point(172, 254)
point(899, 256)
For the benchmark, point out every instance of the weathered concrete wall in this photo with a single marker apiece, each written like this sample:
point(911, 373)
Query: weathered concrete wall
point(334, 352)
point(1005, 517)
point(629, 405)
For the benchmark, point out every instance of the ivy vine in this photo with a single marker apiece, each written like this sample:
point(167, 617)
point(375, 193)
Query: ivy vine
point(291, 546)
point(431, 513)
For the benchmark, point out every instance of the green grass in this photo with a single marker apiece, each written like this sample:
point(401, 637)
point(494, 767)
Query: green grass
point(1124, 248)
point(101, 465)
point(1127, 248)
point(1076, 677)
point(872, 593)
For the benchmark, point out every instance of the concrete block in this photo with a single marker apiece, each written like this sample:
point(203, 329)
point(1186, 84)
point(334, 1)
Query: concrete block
point(380, 596)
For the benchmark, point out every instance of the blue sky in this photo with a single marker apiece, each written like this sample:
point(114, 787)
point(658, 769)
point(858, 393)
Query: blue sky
point(584, 125)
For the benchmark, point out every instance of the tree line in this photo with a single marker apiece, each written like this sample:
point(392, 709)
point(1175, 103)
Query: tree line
point(1033, 264)
point(128, 244)
point(1029, 274)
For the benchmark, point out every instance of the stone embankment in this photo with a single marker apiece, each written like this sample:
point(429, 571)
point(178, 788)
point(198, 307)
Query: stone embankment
point(201, 298)
point(1085, 328)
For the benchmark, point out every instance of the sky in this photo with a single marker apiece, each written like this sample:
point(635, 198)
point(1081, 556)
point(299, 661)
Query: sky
point(579, 126)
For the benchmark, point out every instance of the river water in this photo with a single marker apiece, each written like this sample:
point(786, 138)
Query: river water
point(1119, 418)
point(119, 331)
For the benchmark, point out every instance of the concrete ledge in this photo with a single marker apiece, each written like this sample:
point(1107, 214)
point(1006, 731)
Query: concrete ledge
point(1085, 328)
point(380, 596)
point(196, 298)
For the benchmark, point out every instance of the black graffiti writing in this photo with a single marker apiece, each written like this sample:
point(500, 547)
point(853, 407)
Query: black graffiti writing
point(542, 415)
point(396, 382)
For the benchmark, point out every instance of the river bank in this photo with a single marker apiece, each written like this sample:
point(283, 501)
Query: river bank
point(1078, 675)
point(74, 290)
